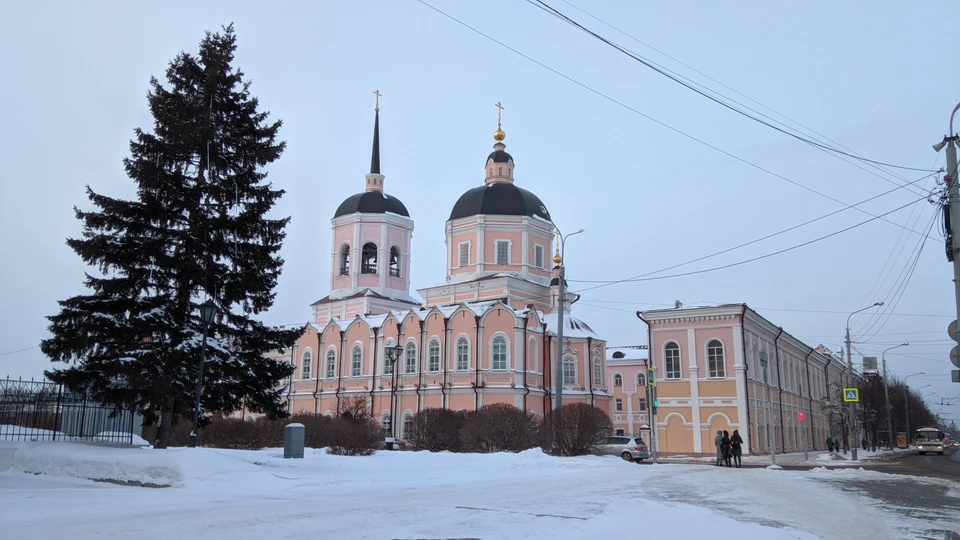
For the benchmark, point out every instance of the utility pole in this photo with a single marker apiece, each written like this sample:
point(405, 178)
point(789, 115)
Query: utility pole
point(852, 405)
point(886, 393)
point(953, 211)
point(558, 259)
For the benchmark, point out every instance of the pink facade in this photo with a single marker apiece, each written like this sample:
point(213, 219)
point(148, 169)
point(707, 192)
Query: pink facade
point(627, 377)
point(485, 336)
point(727, 368)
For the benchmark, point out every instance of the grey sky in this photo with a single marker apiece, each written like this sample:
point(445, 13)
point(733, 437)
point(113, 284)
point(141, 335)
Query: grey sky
point(870, 75)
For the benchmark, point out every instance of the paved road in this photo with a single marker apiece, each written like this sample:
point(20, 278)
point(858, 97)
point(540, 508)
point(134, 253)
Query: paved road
point(946, 466)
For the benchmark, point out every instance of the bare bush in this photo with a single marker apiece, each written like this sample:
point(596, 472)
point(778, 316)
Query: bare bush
point(576, 428)
point(437, 430)
point(499, 427)
point(355, 433)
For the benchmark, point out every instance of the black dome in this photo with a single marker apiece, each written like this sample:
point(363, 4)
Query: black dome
point(499, 156)
point(499, 198)
point(371, 202)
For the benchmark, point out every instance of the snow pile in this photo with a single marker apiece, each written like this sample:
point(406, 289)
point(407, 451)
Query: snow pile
point(90, 462)
point(120, 437)
point(16, 433)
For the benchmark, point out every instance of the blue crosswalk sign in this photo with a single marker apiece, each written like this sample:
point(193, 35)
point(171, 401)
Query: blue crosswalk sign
point(851, 395)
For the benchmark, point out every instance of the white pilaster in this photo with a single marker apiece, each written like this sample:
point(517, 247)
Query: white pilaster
point(383, 260)
point(355, 250)
point(525, 257)
point(480, 246)
point(693, 369)
point(740, 374)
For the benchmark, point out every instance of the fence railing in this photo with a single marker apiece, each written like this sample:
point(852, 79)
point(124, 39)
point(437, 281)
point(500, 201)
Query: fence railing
point(46, 411)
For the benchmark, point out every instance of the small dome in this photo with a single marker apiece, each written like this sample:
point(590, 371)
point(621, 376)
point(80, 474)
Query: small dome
point(371, 202)
point(499, 156)
point(500, 198)
point(499, 135)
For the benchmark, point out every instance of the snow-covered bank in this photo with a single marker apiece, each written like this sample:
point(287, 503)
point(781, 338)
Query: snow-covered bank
point(93, 462)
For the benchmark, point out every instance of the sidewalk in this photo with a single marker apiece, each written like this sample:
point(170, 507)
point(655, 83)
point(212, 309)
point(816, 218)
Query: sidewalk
point(814, 458)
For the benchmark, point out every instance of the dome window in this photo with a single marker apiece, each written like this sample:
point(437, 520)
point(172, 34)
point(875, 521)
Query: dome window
point(368, 259)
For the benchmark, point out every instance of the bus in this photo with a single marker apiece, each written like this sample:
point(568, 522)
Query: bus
point(929, 439)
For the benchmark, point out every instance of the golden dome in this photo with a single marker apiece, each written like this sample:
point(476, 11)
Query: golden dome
point(499, 135)
point(557, 259)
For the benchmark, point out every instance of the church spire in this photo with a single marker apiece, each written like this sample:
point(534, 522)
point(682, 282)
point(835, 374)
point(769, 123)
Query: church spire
point(375, 157)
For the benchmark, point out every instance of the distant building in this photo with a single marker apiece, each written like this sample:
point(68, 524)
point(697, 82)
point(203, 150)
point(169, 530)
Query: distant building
point(626, 377)
point(727, 367)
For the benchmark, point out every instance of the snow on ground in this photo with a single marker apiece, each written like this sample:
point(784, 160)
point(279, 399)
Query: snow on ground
point(258, 494)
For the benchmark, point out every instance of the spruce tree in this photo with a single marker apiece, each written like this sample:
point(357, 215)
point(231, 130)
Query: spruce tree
point(197, 230)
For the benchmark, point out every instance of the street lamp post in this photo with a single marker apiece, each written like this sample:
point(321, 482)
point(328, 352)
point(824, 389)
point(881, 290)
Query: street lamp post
point(852, 406)
point(558, 394)
point(886, 393)
point(906, 403)
point(208, 310)
point(393, 354)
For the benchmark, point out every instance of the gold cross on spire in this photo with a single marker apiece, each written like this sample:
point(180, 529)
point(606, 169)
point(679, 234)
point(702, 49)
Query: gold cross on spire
point(378, 94)
point(499, 110)
point(499, 135)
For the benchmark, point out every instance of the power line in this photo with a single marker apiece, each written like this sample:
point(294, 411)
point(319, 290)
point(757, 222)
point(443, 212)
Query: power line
point(644, 277)
point(20, 350)
point(677, 79)
point(650, 118)
point(600, 301)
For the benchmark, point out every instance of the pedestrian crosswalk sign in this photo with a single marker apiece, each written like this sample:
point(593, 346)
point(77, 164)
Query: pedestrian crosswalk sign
point(851, 395)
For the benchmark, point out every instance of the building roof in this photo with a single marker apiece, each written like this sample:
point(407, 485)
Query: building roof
point(500, 156)
point(499, 198)
point(627, 354)
point(371, 202)
point(363, 293)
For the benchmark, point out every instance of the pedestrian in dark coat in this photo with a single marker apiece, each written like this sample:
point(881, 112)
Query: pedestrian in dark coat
point(830, 444)
point(736, 443)
point(725, 448)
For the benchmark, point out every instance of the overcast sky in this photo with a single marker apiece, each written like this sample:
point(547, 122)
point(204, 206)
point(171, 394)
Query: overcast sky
point(876, 77)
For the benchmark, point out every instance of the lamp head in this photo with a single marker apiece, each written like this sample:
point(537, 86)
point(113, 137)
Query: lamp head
point(878, 303)
point(939, 146)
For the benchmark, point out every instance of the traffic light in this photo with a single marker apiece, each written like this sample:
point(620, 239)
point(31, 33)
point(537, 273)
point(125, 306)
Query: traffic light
point(656, 404)
point(800, 416)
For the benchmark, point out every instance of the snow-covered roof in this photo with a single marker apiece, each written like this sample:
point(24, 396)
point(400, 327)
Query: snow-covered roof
point(572, 326)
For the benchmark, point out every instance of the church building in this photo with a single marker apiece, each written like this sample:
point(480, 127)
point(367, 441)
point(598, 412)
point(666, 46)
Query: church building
point(486, 335)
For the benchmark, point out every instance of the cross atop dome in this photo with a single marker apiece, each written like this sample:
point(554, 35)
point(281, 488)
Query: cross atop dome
point(499, 135)
point(499, 167)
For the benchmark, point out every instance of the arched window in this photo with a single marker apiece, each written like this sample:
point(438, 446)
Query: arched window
point(306, 365)
point(641, 381)
point(368, 259)
point(387, 364)
point(533, 359)
point(597, 371)
point(499, 350)
point(715, 359)
point(617, 380)
point(569, 369)
point(331, 364)
point(356, 362)
point(410, 358)
point(407, 426)
point(499, 171)
point(386, 425)
point(395, 261)
point(463, 354)
point(434, 356)
point(344, 259)
point(671, 357)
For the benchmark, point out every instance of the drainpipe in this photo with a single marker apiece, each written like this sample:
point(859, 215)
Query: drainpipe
point(746, 370)
point(806, 362)
point(526, 389)
point(343, 343)
point(394, 377)
point(776, 355)
point(446, 359)
point(589, 356)
point(420, 368)
point(476, 355)
point(651, 415)
point(373, 375)
point(320, 363)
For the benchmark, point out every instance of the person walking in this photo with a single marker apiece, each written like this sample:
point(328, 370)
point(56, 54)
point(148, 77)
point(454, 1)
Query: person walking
point(716, 442)
point(736, 443)
point(830, 444)
point(725, 447)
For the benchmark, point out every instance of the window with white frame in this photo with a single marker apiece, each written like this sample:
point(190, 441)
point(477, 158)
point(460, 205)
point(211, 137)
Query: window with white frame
point(464, 254)
point(410, 358)
point(538, 256)
point(356, 362)
point(617, 380)
point(641, 380)
point(569, 369)
point(306, 365)
point(503, 252)
point(386, 424)
point(619, 405)
point(597, 371)
point(671, 357)
point(463, 354)
point(407, 426)
point(499, 350)
point(715, 359)
point(641, 404)
point(331, 364)
point(434, 356)
point(387, 364)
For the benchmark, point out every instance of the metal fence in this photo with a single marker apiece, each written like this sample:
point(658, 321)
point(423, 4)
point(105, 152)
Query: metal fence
point(46, 411)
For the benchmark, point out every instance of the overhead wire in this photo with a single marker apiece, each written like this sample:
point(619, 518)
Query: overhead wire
point(651, 118)
point(680, 80)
